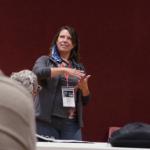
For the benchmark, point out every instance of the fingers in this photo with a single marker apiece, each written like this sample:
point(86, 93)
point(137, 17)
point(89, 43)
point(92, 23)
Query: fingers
point(87, 77)
point(84, 79)
point(78, 73)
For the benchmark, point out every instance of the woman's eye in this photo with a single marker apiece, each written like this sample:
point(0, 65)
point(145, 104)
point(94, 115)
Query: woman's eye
point(69, 38)
point(62, 36)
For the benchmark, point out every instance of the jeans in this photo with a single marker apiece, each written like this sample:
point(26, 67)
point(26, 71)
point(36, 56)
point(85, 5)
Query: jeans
point(60, 128)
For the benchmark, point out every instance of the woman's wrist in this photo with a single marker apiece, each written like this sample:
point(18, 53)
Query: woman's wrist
point(85, 91)
point(63, 70)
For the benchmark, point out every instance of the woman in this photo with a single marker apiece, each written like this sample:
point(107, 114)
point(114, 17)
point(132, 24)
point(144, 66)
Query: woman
point(64, 88)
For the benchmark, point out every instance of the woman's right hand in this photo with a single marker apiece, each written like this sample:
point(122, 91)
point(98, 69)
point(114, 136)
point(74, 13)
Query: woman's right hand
point(74, 72)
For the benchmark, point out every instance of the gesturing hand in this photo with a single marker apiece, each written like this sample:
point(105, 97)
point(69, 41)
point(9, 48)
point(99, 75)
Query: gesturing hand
point(83, 84)
point(74, 72)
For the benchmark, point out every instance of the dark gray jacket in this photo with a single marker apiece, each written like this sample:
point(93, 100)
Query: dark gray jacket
point(45, 99)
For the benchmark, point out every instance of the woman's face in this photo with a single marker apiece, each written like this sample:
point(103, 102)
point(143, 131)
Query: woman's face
point(64, 42)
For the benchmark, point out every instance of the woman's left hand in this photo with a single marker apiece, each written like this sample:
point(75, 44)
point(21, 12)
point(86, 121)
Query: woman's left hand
point(83, 85)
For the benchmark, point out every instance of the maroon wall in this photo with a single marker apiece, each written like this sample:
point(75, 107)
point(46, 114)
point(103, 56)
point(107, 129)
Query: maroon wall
point(114, 38)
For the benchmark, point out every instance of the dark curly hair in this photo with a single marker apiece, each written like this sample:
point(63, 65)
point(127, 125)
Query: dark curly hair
point(74, 38)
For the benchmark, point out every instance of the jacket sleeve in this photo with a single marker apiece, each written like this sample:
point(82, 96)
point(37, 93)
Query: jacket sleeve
point(41, 68)
point(85, 99)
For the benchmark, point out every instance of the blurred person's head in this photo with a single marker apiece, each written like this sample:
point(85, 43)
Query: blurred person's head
point(17, 124)
point(28, 79)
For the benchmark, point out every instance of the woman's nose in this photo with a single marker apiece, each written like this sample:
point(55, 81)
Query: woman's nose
point(65, 39)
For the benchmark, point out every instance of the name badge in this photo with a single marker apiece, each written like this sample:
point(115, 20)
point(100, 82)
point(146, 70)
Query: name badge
point(68, 96)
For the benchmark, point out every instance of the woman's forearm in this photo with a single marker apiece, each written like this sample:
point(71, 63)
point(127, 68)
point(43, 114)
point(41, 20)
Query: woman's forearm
point(70, 71)
point(57, 71)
